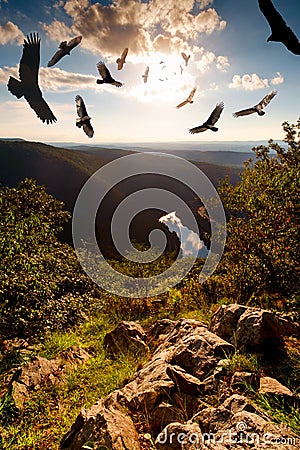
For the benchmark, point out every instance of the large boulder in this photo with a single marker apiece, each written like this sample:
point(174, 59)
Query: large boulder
point(251, 328)
point(104, 424)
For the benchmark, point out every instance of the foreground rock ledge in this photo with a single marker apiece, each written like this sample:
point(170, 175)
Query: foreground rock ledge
point(170, 391)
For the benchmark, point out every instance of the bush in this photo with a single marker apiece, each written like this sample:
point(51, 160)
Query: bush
point(262, 251)
point(42, 286)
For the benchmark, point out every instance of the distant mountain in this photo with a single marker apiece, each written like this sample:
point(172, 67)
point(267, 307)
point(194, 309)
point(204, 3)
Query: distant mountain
point(233, 153)
point(64, 171)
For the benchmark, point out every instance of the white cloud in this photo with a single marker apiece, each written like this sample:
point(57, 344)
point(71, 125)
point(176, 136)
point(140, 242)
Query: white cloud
point(141, 26)
point(278, 79)
point(10, 33)
point(248, 82)
point(204, 59)
point(222, 63)
point(53, 80)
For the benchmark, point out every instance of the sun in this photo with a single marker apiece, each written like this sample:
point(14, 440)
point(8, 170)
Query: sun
point(169, 79)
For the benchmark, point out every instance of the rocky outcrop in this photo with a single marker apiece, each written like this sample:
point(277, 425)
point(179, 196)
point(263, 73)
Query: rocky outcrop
point(172, 388)
point(251, 328)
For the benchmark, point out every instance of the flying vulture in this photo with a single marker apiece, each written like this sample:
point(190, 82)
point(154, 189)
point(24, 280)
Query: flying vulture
point(121, 61)
point(145, 75)
point(28, 86)
point(257, 108)
point(189, 99)
point(280, 32)
point(185, 57)
point(106, 76)
point(209, 124)
point(64, 49)
point(84, 120)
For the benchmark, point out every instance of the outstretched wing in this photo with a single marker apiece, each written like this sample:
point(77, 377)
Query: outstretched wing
point(28, 72)
point(215, 115)
point(273, 17)
point(124, 54)
point(74, 42)
point(88, 129)
point(190, 97)
point(266, 100)
point(103, 70)
point(182, 104)
point(56, 57)
point(244, 112)
point(80, 106)
point(30, 61)
point(280, 31)
point(198, 129)
point(39, 105)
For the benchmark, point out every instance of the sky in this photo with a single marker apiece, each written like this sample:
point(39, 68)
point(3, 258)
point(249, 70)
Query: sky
point(230, 62)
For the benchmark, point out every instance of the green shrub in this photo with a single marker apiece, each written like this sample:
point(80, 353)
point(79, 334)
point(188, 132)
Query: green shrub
point(42, 286)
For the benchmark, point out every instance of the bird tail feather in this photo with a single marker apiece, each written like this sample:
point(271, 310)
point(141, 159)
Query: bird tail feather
point(100, 81)
point(214, 128)
point(261, 113)
point(15, 87)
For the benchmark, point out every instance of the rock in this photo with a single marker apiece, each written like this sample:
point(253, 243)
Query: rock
point(104, 424)
point(198, 351)
point(40, 370)
point(19, 394)
point(160, 329)
point(224, 321)
point(169, 390)
point(269, 385)
point(251, 328)
point(127, 336)
point(185, 383)
point(240, 380)
point(74, 355)
point(237, 424)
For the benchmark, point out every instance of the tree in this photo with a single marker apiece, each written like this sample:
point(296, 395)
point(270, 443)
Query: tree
point(42, 285)
point(262, 250)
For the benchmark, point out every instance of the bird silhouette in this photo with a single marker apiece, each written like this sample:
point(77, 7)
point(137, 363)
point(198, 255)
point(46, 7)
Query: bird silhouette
point(84, 120)
point(209, 124)
point(121, 61)
point(64, 49)
point(280, 32)
point(185, 57)
point(145, 75)
point(189, 98)
point(28, 86)
point(106, 76)
point(257, 108)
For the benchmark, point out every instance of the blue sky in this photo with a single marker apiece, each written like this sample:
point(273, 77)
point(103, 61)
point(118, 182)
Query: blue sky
point(230, 62)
